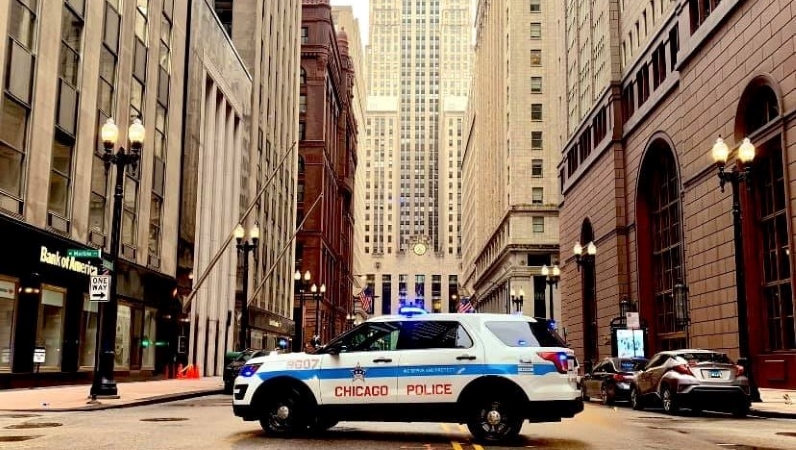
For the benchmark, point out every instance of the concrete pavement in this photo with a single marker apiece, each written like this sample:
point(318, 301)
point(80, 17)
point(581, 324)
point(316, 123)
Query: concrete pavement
point(777, 403)
point(75, 397)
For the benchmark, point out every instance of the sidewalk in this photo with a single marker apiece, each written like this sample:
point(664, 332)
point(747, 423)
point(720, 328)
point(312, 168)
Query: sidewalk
point(76, 397)
point(775, 405)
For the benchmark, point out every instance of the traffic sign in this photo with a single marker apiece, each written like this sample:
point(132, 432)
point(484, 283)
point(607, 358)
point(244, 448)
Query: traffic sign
point(83, 253)
point(100, 288)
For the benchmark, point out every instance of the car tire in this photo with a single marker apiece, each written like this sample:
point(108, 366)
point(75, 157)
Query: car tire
point(604, 396)
point(228, 387)
point(583, 394)
point(635, 399)
point(494, 420)
point(284, 414)
point(669, 401)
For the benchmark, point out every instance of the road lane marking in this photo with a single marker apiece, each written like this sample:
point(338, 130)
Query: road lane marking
point(457, 446)
point(477, 447)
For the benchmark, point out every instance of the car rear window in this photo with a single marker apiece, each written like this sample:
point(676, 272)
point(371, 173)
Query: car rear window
point(523, 334)
point(696, 358)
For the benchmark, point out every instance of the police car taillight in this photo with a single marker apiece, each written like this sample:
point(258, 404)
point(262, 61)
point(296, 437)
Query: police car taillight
point(249, 369)
point(560, 359)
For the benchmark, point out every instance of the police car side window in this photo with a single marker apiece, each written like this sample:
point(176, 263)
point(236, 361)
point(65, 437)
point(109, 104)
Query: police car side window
point(513, 333)
point(377, 336)
point(431, 334)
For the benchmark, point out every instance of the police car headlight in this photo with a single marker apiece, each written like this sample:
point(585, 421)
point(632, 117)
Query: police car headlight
point(249, 369)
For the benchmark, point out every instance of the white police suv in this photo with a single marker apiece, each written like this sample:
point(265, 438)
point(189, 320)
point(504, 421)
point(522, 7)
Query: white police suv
point(490, 371)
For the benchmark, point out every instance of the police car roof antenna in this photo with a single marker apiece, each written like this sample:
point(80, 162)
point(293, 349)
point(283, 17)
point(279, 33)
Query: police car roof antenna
point(284, 249)
point(231, 235)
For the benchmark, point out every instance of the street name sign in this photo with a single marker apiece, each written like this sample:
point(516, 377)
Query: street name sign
point(83, 253)
point(100, 290)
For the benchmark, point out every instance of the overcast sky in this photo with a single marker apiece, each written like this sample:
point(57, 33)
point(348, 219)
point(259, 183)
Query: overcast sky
point(361, 13)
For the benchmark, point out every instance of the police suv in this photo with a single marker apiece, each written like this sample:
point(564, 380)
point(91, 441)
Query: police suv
point(490, 371)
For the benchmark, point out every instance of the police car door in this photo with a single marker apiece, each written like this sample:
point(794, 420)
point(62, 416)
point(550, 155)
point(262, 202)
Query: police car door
point(360, 367)
point(438, 358)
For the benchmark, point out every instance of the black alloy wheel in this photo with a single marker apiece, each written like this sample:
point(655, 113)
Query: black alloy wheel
point(669, 401)
point(635, 399)
point(495, 421)
point(285, 414)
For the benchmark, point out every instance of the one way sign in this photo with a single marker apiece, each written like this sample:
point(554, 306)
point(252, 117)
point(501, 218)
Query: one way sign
point(100, 288)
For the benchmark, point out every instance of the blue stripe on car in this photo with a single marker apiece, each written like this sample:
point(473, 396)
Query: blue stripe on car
point(409, 371)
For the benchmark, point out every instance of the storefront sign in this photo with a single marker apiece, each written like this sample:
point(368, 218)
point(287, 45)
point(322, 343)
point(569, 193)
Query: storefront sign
point(275, 323)
point(65, 262)
point(39, 355)
point(7, 290)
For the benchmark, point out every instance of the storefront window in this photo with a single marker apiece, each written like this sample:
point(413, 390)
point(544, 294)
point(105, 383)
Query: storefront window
point(8, 295)
point(50, 329)
point(88, 341)
point(257, 339)
point(149, 338)
point(123, 337)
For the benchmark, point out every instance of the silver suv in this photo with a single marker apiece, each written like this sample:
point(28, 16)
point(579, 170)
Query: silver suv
point(695, 379)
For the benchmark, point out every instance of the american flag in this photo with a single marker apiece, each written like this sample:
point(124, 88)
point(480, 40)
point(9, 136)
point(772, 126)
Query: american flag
point(465, 306)
point(366, 301)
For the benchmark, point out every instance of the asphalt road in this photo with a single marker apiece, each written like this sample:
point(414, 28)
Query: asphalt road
point(208, 423)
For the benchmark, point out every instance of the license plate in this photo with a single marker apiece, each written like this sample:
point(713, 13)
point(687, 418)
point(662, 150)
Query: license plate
point(715, 374)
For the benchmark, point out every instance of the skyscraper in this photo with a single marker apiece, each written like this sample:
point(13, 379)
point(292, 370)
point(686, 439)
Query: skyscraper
point(418, 74)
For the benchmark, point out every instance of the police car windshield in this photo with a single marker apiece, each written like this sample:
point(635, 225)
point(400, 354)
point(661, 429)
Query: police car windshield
point(524, 334)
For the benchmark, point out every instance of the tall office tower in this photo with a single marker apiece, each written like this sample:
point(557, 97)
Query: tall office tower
point(266, 34)
point(418, 72)
point(509, 167)
point(344, 20)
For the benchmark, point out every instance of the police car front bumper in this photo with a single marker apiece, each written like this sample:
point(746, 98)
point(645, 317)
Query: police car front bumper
point(555, 410)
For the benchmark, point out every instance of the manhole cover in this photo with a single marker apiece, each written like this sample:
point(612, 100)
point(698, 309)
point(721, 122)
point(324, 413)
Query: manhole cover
point(27, 425)
point(164, 419)
point(787, 433)
point(18, 416)
point(16, 438)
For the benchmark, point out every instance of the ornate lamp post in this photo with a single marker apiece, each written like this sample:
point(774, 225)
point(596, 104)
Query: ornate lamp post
point(517, 300)
point(298, 313)
point(103, 383)
point(587, 258)
point(742, 172)
point(245, 247)
point(553, 275)
point(318, 297)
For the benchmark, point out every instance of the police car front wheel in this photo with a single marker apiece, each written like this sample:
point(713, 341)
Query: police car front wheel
point(495, 421)
point(284, 415)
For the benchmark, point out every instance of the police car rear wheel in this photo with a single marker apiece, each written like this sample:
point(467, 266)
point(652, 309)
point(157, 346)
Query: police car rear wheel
point(495, 421)
point(283, 414)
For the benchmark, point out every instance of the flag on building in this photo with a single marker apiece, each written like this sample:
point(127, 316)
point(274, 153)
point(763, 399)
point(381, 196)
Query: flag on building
point(366, 300)
point(465, 306)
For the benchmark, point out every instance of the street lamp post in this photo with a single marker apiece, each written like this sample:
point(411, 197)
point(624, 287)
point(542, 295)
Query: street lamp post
point(552, 277)
point(318, 297)
point(103, 383)
point(298, 313)
point(349, 318)
point(245, 247)
point(583, 259)
point(589, 280)
point(517, 300)
point(452, 308)
point(742, 172)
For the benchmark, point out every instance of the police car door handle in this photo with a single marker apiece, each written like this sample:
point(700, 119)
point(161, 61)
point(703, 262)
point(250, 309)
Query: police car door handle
point(384, 360)
point(467, 357)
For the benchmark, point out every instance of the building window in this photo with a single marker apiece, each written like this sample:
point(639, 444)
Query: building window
point(305, 35)
point(536, 30)
point(536, 168)
point(536, 112)
point(88, 342)
point(300, 192)
point(148, 338)
point(537, 196)
point(13, 139)
point(8, 298)
point(536, 85)
point(536, 58)
point(536, 140)
point(386, 293)
point(536, 6)
point(61, 175)
point(302, 131)
point(538, 224)
point(50, 325)
point(123, 318)
point(303, 77)
point(302, 103)
point(130, 211)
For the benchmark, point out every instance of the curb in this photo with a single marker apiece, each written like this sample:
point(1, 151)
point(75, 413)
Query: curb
point(772, 414)
point(141, 402)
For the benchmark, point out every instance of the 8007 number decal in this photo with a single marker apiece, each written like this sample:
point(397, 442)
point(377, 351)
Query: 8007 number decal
point(302, 364)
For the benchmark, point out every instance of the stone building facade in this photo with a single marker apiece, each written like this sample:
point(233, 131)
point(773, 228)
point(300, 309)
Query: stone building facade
point(639, 181)
point(326, 169)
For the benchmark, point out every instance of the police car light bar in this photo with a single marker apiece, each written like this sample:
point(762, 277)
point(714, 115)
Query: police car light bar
point(410, 311)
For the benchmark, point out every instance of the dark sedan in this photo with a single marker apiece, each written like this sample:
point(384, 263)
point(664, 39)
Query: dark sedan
point(610, 379)
point(233, 368)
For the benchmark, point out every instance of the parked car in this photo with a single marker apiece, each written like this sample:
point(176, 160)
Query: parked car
point(610, 379)
point(232, 369)
point(694, 379)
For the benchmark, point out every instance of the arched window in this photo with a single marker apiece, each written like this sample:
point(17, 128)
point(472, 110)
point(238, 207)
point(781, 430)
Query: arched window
point(591, 348)
point(303, 77)
point(660, 244)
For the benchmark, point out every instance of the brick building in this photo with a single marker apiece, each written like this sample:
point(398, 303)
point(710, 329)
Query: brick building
point(639, 181)
point(327, 163)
